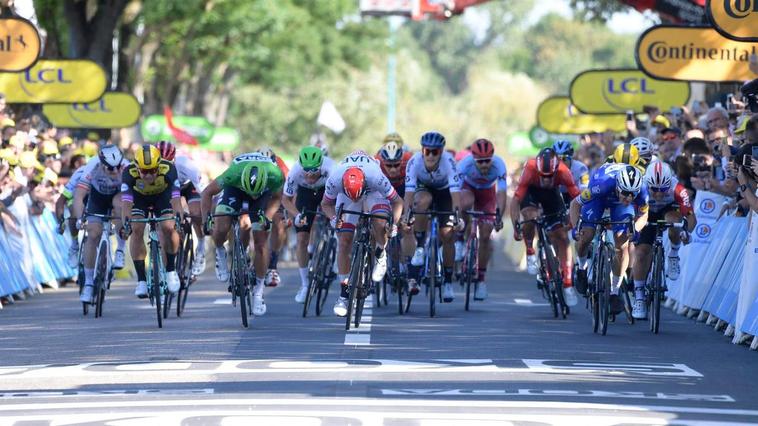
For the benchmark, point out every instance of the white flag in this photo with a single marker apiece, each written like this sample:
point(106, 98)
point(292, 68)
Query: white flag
point(330, 118)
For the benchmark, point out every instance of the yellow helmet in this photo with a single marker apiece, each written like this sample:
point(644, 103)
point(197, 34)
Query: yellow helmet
point(50, 147)
point(28, 159)
point(626, 153)
point(147, 157)
point(393, 137)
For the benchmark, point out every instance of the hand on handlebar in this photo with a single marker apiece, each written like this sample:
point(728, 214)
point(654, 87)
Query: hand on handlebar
point(300, 220)
point(264, 222)
point(125, 231)
point(391, 229)
point(685, 236)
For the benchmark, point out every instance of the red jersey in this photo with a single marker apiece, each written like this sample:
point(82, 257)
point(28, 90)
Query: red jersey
point(399, 181)
point(530, 177)
point(282, 166)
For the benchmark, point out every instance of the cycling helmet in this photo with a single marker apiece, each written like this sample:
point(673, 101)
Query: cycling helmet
point(110, 156)
point(626, 154)
point(482, 148)
point(547, 162)
point(563, 147)
point(167, 149)
point(391, 151)
point(432, 140)
point(393, 137)
point(354, 183)
point(254, 179)
point(629, 179)
point(644, 147)
point(266, 152)
point(147, 157)
point(311, 158)
point(658, 176)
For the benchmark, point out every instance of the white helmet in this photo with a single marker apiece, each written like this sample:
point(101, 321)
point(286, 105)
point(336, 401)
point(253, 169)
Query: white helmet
point(644, 146)
point(629, 179)
point(391, 151)
point(110, 156)
point(659, 176)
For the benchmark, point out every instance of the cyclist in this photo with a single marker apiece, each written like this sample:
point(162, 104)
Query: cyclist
point(151, 183)
point(484, 178)
point(432, 181)
point(191, 185)
point(253, 183)
point(619, 188)
point(99, 184)
point(646, 150)
point(538, 187)
point(303, 193)
point(66, 200)
point(357, 184)
point(626, 153)
point(278, 226)
point(669, 201)
point(565, 151)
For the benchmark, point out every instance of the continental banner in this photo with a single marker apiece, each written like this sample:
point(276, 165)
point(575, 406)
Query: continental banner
point(735, 19)
point(556, 115)
point(55, 81)
point(19, 44)
point(693, 54)
point(615, 91)
point(114, 110)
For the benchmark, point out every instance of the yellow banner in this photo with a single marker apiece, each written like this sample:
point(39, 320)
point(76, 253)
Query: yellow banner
point(556, 115)
point(616, 91)
point(55, 81)
point(19, 44)
point(693, 54)
point(114, 110)
point(735, 19)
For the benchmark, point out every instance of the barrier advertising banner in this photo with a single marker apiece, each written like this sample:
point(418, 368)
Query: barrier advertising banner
point(556, 114)
point(735, 19)
point(615, 91)
point(154, 127)
point(55, 81)
point(114, 110)
point(693, 54)
point(19, 44)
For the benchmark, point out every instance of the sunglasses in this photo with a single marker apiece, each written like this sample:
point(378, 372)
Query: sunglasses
point(311, 170)
point(148, 171)
point(653, 189)
point(483, 161)
point(668, 138)
point(110, 168)
point(627, 194)
point(392, 165)
point(432, 151)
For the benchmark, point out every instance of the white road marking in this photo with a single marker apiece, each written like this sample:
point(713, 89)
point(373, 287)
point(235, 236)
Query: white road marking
point(559, 393)
point(361, 336)
point(226, 301)
point(108, 392)
point(645, 369)
point(527, 303)
point(523, 301)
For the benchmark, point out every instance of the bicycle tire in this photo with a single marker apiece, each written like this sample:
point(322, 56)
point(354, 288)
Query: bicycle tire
point(469, 268)
point(327, 275)
point(655, 308)
point(432, 278)
point(238, 274)
point(168, 299)
point(549, 274)
point(363, 292)
point(101, 274)
point(560, 300)
point(156, 279)
point(80, 283)
point(184, 266)
point(353, 282)
point(605, 288)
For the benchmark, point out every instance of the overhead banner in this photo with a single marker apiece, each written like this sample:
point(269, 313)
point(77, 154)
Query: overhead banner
point(19, 44)
point(735, 19)
point(693, 54)
point(556, 115)
point(55, 81)
point(615, 91)
point(154, 127)
point(115, 110)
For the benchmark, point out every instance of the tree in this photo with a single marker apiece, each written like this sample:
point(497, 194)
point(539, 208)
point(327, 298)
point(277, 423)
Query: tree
point(597, 10)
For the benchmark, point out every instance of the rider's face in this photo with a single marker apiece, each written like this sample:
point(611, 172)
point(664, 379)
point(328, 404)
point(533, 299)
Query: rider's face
point(483, 165)
point(148, 176)
point(432, 156)
point(393, 169)
point(626, 199)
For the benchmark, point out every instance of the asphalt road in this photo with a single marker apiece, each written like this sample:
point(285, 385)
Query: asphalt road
point(507, 361)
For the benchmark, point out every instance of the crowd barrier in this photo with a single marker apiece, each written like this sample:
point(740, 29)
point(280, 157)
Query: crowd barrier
point(33, 252)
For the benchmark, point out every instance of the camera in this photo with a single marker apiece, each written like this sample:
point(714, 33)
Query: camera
point(700, 164)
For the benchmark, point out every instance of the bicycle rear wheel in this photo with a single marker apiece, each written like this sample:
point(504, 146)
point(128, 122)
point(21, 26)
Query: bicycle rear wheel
point(557, 285)
point(363, 292)
point(549, 282)
point(155, 275)
point(327, 276)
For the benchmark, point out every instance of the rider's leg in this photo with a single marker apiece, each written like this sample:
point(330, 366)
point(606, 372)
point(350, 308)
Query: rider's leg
point(528, 229)
point(303, 237)
point(138, 251)
point(641, 268)
point(94, 231)
point(116, 213)
point(674, 216)
point(421, 202)
point(485, 233)
point(197, 224)
point(170, 241)
point(260, 262)
point(278, 238)
point(621, 260)
point(560, 241)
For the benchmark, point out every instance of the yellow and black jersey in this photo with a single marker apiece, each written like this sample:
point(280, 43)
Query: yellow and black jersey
point(167, 180)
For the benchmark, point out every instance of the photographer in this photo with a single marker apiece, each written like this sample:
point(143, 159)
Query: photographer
point(746, 161)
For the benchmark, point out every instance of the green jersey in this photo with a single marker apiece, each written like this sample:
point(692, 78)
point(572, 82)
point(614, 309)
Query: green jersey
point(232, 177)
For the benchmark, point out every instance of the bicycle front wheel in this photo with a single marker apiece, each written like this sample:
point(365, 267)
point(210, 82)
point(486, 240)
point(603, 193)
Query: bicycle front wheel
point(155, 275)
point(239, 287)
point(656, 296)
point(469, 269)
point(604, 291)
point(432, 278)
point(101, 275)
point(354, 282)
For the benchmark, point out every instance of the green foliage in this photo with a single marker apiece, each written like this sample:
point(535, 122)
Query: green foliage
point(597, 10)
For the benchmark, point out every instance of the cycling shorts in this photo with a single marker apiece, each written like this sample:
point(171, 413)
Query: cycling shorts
point(160, 204)
point(485, 200)
point(647, 236)
point(235, 200)
point(551, 201)
point(189, 192)
point(308, 199)
point(98, 203)
point(441, 201)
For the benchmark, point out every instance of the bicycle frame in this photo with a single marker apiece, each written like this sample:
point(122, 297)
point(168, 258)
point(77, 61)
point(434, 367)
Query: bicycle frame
point(655, 285)
point(470, 265)
point(102, 284)
point(156, 277)
point(240, 273)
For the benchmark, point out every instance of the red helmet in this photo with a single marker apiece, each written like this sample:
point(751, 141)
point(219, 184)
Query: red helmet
point(482, 148)
point(354, 183)
point(167, 149)
point(547, 162)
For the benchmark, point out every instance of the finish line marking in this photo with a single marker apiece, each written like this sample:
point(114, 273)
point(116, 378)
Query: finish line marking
point(361, 336)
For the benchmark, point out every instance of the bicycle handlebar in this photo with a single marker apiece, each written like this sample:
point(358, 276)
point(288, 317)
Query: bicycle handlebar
point(369, 215)
point(153, 219)
point(540, 220)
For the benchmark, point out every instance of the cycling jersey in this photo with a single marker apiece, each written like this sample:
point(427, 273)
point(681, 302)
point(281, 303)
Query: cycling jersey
point(397, 182)
point(471, 175)
point(677, 195)
point(68, 190)
point(581, 174)
point(601, 194)
point(445, 176)
point(96, 177)
point(531, 178)
point(166, 181)
point(376, 182)
point(232, 177)
point(297, 179)
point(188, 172)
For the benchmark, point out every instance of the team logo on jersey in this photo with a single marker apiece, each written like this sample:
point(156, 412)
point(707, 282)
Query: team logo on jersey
point(707, 205)
point(702, 230)
point(586, 194)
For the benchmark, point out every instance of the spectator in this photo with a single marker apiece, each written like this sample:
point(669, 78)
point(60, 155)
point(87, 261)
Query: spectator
point(717, 118)
point(670, 145)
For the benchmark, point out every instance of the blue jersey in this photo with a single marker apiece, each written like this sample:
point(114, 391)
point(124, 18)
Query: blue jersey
point(475, 179)
point(601, 190)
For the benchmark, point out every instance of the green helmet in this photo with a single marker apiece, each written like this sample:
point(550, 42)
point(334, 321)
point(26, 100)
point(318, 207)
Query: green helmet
point(254, 178)
point(311, 157)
